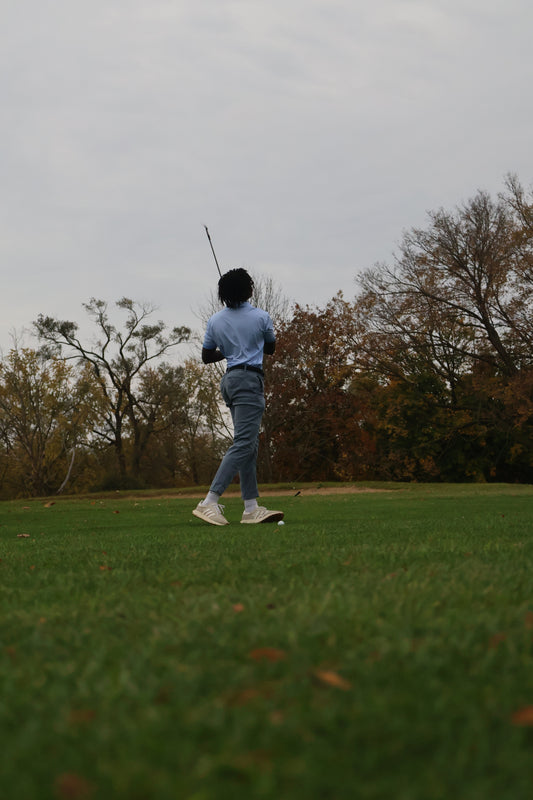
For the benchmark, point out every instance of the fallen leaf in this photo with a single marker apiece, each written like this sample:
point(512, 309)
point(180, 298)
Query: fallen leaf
point(12, 653)
point(332, 679)
point(23, 536)
point(497, 639)
point(529, 620)
point(163, 696)
point(116, 512)
point(267, 654)
point(523, 717)
point(70, 786)
point(50, 504)
point(238, 608)
point(80, 716)
point(256, 759)
point(244, 696)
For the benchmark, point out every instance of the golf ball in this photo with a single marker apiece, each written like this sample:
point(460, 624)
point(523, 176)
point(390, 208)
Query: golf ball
point(281, 522)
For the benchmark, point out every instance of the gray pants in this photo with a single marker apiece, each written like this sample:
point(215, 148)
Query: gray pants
point(243, 393)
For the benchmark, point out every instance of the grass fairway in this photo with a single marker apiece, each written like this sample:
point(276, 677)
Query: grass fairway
point(378, 646)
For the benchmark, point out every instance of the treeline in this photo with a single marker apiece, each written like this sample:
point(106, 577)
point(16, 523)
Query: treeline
point(111, 414)
point(426, 374)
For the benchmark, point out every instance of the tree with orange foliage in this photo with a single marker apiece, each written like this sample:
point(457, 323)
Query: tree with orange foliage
point(313, 427)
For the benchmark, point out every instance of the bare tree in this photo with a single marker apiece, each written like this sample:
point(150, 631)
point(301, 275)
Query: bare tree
point(451, 320)
point(119, 360)
point(458, 288)
point(267, 295)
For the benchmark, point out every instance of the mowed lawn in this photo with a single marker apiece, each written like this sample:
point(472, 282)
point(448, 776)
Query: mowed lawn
point(378, 645)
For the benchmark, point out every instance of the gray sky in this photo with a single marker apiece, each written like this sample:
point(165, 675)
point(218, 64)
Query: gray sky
point(307, 134)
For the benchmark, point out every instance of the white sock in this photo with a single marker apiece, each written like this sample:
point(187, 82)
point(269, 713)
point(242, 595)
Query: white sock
point(211, 497)
point(250, 505)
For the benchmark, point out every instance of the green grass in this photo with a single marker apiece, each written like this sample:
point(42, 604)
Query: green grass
point(400, 634)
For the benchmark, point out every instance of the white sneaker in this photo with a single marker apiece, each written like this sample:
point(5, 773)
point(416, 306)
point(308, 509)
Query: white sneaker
point(212, 513)
point(261, 514)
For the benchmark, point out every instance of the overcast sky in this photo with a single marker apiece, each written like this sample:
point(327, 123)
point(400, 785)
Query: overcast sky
point(307, 134)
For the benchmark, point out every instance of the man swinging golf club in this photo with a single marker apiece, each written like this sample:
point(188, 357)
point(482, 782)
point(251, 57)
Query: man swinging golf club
point(241, 334)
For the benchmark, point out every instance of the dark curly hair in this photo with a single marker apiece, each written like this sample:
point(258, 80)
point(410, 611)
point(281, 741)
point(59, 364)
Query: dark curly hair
point(235, 287)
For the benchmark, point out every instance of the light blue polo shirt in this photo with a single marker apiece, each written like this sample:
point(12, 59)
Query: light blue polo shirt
point(240, 334)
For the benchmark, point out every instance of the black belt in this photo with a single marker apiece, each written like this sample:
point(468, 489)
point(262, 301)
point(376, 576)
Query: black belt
point(247, 367)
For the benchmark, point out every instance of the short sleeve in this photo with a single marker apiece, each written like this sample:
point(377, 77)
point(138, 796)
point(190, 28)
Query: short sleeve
point(209, 342)
point(269, 334)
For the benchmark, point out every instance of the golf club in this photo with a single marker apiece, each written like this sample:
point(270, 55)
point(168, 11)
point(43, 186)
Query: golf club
point(213, 250)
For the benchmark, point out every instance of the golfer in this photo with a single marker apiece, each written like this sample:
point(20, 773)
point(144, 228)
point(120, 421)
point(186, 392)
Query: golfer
point(239, 333)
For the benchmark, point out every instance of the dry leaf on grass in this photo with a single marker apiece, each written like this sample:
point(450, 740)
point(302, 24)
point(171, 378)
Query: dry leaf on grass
point(496, 640)
point(11, 652)
point(244, 696)
point(523, 717)
point(81, 716)
point(70, 786)
point(331, 678)
point(254, 760)
point(267, 654)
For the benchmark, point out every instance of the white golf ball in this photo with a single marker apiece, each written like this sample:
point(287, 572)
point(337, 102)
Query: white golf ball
point(281, 522)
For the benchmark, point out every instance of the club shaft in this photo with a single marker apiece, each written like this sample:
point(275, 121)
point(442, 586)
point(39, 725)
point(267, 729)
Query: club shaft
point(213, 250)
